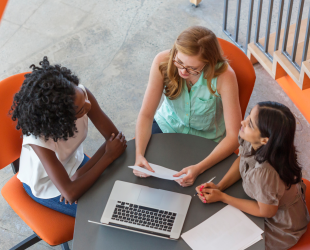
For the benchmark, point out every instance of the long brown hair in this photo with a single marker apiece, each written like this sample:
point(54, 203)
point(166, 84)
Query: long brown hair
point(196, 40)
point(276, 122)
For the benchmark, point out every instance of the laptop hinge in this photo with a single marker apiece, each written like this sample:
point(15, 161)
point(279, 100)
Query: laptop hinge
point(139, 230)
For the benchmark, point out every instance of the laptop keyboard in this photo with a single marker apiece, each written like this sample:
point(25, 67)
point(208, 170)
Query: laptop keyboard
point(144, 216)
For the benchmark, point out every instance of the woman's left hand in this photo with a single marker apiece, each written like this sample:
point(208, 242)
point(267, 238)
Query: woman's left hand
point(210, 195)
point(191, 172)
point(66, 202)
point(73, 178)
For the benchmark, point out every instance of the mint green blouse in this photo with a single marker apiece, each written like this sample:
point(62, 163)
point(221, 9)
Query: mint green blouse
point(197, 112)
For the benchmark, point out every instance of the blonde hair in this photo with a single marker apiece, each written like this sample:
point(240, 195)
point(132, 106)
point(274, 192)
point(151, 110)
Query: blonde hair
point(196, 40)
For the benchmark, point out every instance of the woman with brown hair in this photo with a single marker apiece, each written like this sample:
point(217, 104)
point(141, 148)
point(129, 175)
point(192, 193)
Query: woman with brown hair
point(200, 98)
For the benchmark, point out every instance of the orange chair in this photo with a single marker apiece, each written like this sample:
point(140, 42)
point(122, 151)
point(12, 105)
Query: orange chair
point(2, 7)
point(304, 242)
point(244, 71)
point(51, 226)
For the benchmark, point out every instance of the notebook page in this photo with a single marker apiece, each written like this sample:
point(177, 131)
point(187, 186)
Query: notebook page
point(227, 229)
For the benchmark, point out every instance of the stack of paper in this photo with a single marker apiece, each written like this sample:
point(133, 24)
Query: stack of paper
point(227, 229)
point(160, 172)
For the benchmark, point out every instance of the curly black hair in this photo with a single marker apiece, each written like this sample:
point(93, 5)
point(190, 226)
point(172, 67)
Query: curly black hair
point(44, 106)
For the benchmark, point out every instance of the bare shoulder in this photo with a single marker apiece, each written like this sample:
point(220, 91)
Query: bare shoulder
point(161, 56)
point(228, 75)
point(227, 79)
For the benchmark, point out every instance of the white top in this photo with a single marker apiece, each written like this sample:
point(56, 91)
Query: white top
point(69, 153)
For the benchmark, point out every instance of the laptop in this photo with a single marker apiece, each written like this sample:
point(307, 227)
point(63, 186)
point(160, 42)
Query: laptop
point(145, 210)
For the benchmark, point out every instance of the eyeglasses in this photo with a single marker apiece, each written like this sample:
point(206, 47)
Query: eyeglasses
point(189, 70)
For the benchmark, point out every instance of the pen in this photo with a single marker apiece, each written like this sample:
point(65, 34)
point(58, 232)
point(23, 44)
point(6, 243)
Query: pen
point(207, 182)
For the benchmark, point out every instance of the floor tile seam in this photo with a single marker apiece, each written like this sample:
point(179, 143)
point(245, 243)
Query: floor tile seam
point(49, 44)
point(6, 179)
point(33, 30)
point(13, 66)
point(127, 32)
point(124, 40)
point(86, 15)
point(22, 25)
point(92, 9)
point(34, 11)
point(11, 36)
point(6, 229)
point(25, 236)
point(11, 22)
point(75, 7)
point(71, 34)
point(61, 39)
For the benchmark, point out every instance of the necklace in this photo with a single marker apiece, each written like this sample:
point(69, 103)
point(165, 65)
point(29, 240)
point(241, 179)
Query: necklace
point(190, 85)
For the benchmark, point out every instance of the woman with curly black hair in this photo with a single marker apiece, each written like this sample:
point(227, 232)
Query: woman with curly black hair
point(52, 110)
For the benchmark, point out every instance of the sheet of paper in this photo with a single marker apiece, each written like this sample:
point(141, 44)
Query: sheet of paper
point(252, 243)
point(227, 229)
point(160, 172)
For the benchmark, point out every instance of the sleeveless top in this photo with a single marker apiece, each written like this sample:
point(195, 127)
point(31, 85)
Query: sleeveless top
point(69, 153)
point(197, 112)
point(262, 183)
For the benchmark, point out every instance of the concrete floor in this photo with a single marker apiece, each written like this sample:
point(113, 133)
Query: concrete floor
point(110, 45)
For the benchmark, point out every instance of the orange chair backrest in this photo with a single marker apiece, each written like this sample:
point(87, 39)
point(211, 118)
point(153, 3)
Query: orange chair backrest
point(10, 138)
point(243, 69)
point(2, 7)
point(307, 193)
point(304, 242)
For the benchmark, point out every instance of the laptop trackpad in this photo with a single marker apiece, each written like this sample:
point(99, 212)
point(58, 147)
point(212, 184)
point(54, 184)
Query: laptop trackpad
point(151, 196)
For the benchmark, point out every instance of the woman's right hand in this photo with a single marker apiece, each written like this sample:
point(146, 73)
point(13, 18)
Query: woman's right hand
point(205, 186)
point(142, 162)
point(115, 146)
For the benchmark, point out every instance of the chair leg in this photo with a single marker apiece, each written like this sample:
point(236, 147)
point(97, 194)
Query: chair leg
point(65, 246)
point(15, 166)
point(31, 240)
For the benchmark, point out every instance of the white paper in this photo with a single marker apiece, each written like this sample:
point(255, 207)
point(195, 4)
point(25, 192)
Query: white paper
point(160, 172)
point(227, 229)
point(252, 243)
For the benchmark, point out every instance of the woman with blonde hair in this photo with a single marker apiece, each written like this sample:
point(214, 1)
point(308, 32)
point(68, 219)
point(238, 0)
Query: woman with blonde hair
point(201, 98)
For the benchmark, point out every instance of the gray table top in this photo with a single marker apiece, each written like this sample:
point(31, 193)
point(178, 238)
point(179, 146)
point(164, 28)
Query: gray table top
point(174, 151)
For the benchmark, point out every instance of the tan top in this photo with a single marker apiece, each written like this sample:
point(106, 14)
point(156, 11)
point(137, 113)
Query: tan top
point(262, 183)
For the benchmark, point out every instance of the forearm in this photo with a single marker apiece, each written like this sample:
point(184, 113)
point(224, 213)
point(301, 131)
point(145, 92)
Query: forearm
point(247, 206)
point(90, 163)
point(225, 148)
point(100, 120)
point(143, 133)
point(232, 176)
point(78, 187)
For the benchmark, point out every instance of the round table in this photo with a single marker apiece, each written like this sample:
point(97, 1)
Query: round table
point(174, 151)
